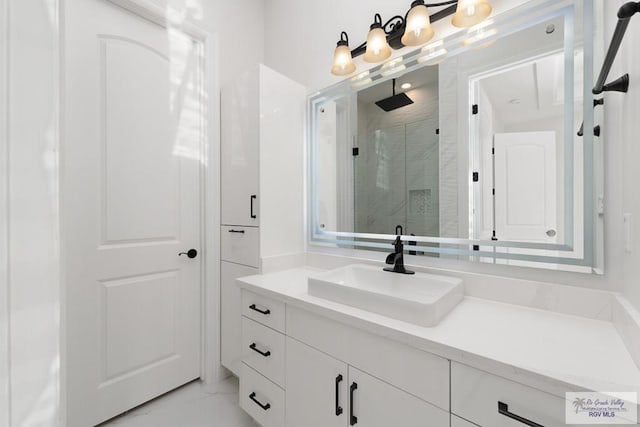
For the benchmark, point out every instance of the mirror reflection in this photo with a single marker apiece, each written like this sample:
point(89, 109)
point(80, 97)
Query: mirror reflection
point(476, 147)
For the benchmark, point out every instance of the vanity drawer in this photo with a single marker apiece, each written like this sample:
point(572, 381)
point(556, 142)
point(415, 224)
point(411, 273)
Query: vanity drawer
point(419, 373)
point(264, 310)
point(263, 349)
point(261, 399)
point(475, 396)
point(240, 245)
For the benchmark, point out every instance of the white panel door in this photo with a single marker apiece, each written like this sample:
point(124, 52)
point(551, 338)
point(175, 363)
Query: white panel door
point(378, 404)
point(316, 387)
point(131, 204)
point(525, 184)
point(240, 129)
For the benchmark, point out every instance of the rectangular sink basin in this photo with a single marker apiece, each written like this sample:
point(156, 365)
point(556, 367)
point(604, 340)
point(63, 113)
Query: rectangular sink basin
point(422, 299)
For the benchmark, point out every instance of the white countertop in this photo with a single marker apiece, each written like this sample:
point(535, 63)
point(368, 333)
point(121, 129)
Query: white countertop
point(550, 351)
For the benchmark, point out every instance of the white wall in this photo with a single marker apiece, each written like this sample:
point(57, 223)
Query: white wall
point(239, 25)
point(31, 178)
point(622, 153)
point(302, 48)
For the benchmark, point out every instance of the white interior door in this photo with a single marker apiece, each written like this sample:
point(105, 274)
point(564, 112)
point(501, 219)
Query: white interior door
point(131, 203)
point(525, 187)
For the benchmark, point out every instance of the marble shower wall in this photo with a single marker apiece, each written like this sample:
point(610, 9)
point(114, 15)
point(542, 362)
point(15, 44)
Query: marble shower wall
point(397, 169)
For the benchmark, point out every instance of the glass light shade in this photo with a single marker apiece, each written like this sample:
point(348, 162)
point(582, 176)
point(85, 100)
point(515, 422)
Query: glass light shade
point(342, 61)
point(471, 12)
point(377, 47)
point(361, 80)
point(479, 34)
point(392, 67)
point(418, 29)
point(433, 53)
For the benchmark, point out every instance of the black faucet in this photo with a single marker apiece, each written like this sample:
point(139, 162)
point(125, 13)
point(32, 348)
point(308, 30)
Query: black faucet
point(397, 257)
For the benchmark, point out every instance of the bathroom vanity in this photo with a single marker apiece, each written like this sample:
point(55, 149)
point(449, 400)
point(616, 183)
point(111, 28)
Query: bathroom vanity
point(309, 361)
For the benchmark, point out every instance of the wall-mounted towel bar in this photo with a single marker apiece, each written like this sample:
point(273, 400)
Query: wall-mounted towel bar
point(621, 84)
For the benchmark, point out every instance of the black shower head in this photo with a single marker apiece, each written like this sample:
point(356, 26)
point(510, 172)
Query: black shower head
point(395, 101)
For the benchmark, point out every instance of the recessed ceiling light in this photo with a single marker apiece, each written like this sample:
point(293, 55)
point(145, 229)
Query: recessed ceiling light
point(406, 85)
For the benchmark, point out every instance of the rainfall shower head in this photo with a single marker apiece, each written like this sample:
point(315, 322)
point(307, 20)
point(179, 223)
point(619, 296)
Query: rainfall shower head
point(395, 101)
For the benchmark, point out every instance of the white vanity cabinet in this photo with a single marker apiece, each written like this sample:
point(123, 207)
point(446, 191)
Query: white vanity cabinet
point(262, 138)
point(322, 391)
point(322, 372)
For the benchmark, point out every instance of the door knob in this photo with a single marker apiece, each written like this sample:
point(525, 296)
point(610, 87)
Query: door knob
point(551, 233)
point(191, 253)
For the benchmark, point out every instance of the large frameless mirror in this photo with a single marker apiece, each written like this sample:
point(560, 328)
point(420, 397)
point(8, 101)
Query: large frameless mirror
point(469, 144)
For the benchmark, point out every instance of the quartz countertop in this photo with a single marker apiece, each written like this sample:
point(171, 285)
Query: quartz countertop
point(551, 351)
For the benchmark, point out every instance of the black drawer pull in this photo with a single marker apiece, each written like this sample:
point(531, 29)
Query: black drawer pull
point(253, 197)
point(254, 308)
point(254, 347)
point(266, 407)
point(503, 409)
point(353, 420)
point(338, 407)
point(236, 231)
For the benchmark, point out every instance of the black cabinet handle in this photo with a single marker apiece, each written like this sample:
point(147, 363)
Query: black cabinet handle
point(353, 420)
point(503, 409)
point(253, 197)
point(236, 231)
point(254, 347)
point(254, 308)
point(338, 407)
point(266, 407)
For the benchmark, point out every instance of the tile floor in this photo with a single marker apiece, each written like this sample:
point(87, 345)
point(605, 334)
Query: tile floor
point(193, 405)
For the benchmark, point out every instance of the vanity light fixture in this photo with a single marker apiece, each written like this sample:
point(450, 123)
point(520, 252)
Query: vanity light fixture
point(414, 29)
point(418, 29)
point(378, 48)
point(342, 61)
point(471, 12)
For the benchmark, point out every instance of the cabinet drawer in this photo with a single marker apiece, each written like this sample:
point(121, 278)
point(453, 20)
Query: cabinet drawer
point(266, 311)
point(261, 398)
point(263, 349)
point(475, 395)
point(240, 245)
point(230, 314)
point(422, 374)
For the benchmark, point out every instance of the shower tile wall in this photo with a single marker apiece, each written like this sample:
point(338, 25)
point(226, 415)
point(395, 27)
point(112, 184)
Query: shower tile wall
point(397, 168)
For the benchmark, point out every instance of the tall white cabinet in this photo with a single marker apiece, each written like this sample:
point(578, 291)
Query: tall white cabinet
point(263, 114)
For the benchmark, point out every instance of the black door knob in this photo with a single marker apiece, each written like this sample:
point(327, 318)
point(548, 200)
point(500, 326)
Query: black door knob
point(191, 253)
